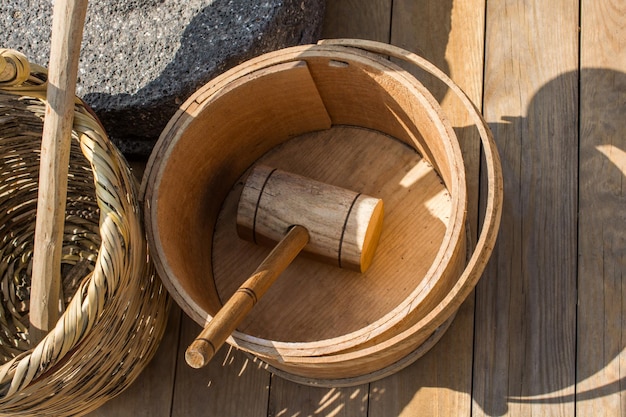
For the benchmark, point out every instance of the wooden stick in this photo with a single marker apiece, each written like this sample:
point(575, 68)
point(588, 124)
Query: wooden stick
point(67, 28)
point(237, 307)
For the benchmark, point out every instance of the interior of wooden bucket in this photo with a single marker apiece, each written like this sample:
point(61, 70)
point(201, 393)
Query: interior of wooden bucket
point(342, 120)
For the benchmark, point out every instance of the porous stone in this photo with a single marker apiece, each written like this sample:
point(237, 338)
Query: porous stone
point(140, 59)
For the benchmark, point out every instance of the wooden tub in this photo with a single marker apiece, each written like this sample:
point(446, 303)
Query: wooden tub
point(342, 113)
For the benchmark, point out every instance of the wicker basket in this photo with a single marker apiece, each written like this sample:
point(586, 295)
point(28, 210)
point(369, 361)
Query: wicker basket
point(115, 307)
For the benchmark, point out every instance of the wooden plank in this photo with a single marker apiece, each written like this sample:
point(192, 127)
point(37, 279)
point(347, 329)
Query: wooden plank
point(357, 19)
point(291, 399)
point(232, 385)
point(425, 27)
point(439, 384)
point(525, 320)
point(151, 394)
point(601, 361)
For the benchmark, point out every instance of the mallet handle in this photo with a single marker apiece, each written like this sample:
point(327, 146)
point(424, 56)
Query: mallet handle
point(204, 347)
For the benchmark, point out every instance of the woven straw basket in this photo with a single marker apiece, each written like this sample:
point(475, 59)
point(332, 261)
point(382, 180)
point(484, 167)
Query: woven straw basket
point(115, 307)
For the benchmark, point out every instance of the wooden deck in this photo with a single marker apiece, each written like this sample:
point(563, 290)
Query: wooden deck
point(543, 334)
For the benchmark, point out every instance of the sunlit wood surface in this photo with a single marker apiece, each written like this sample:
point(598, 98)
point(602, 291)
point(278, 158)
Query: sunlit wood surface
point(542, 334)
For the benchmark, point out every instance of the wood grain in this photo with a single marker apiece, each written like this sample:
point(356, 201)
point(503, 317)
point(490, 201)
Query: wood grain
point(357, 19)
point(437, 383)
point(601, 354)
point(526, 302)
point(209, 126)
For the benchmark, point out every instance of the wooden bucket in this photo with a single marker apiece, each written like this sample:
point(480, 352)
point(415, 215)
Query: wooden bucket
point(339, 112)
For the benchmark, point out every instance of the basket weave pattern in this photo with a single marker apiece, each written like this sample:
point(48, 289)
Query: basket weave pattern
point(115, 307)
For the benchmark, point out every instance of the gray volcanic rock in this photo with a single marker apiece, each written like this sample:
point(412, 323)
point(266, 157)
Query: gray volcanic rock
point(140, 59)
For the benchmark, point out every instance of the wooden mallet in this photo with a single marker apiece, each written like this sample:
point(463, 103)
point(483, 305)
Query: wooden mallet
point(329, 223)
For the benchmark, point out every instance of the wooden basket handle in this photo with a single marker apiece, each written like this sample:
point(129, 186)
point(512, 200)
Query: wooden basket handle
point(67, 28)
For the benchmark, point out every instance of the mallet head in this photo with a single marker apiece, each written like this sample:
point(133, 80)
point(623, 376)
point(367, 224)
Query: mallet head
point(344, 226)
